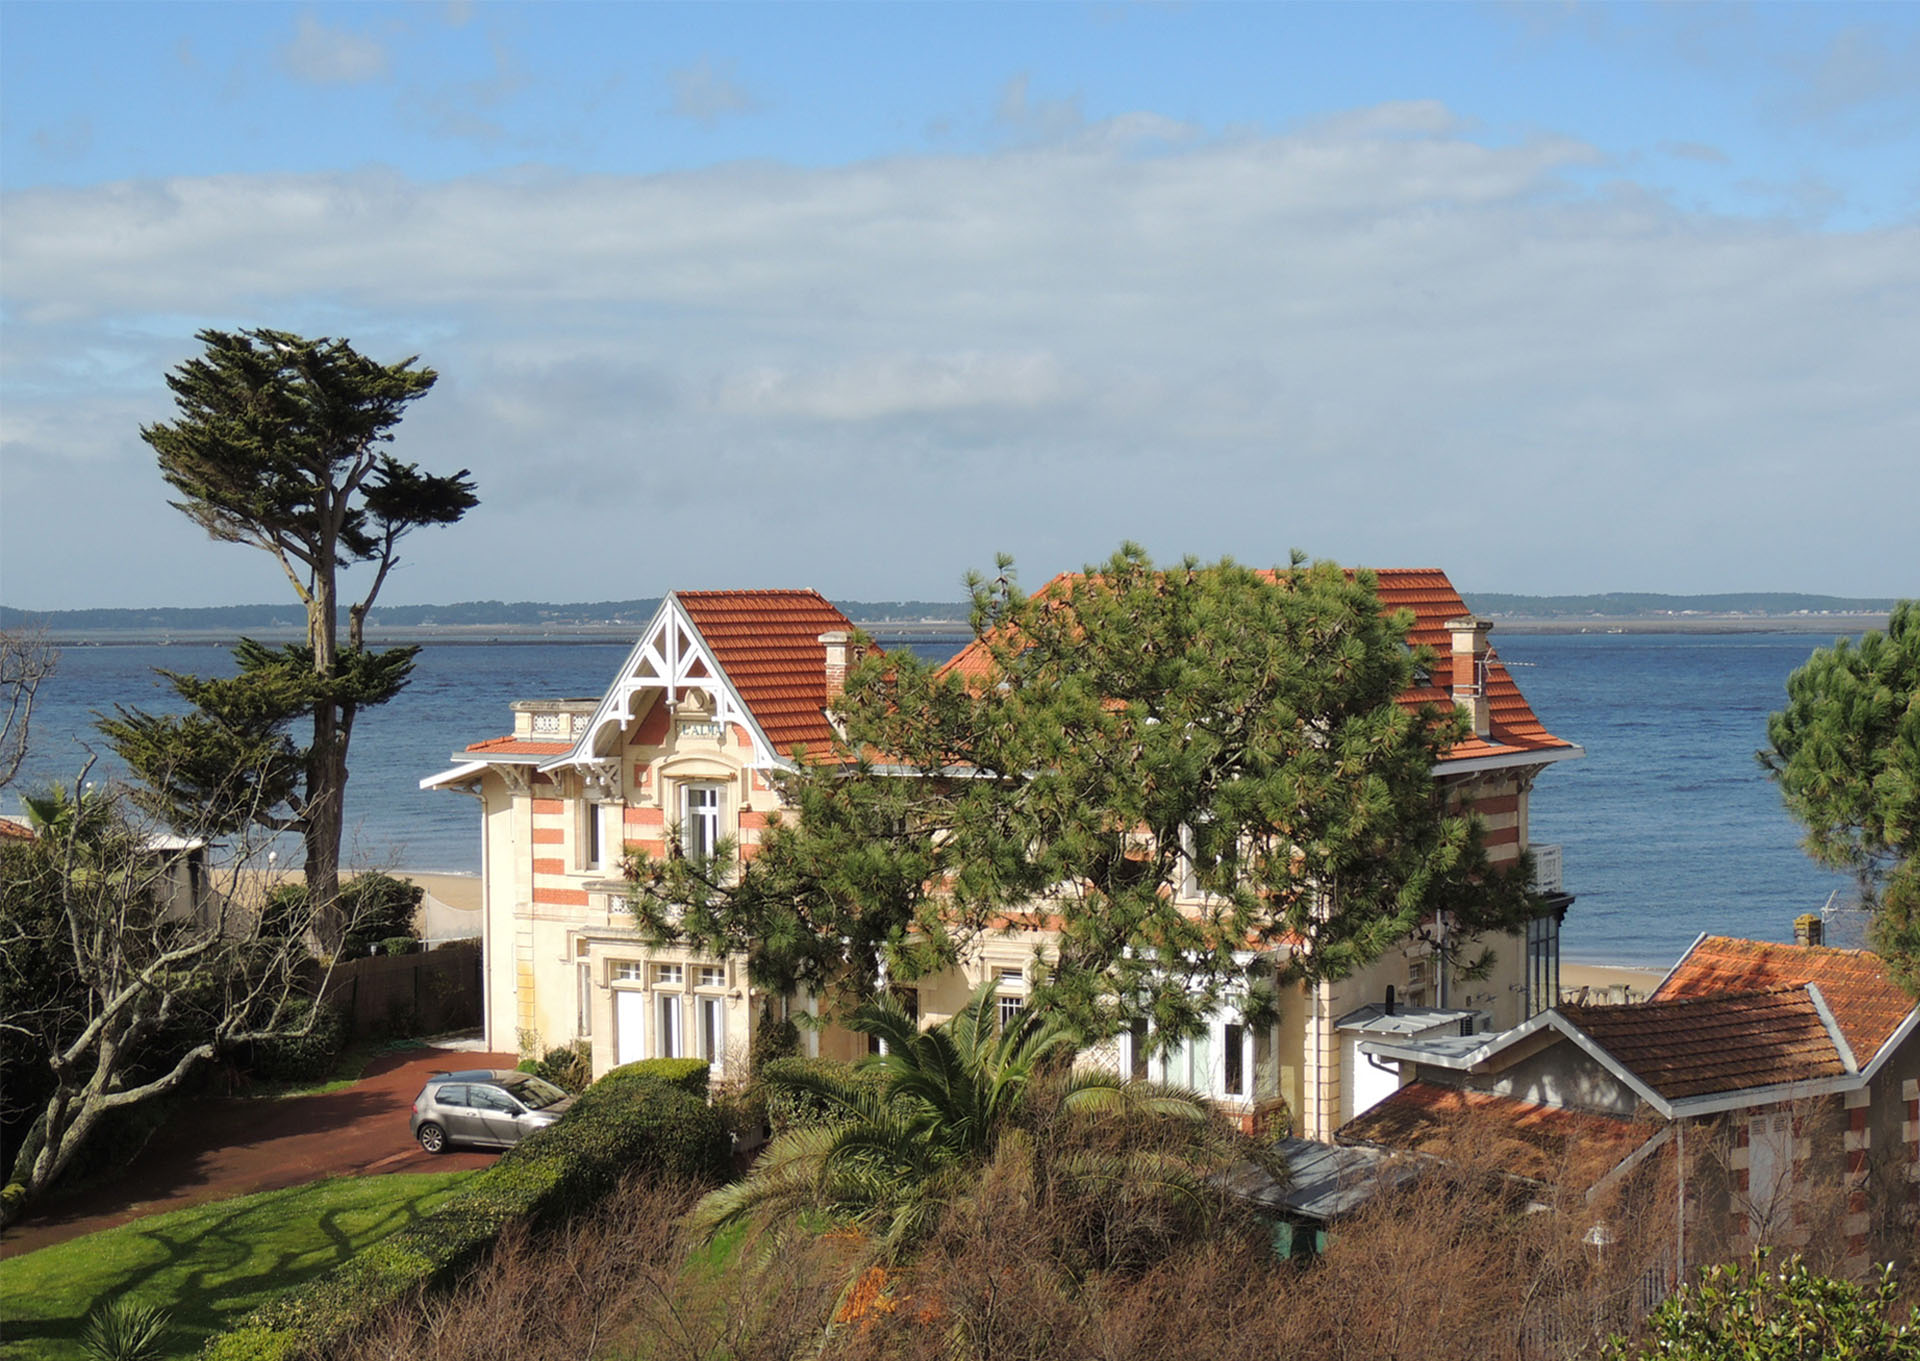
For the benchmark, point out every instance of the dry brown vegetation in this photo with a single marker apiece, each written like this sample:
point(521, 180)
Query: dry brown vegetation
point(1461, 1261)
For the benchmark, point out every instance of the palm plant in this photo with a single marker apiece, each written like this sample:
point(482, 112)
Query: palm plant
point(891, 1156)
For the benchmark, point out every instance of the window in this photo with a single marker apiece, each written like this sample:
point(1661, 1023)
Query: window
point(1133, 1052)
point(1543, 963)
point(713, 976)
point(1234, 1051)
point(1193, 858)
point(1012, 998)
point(710, 1019)
point(1769, 1166)
point(667, 1035)
point(668, 975)
point(627, 971)
point(590, 851)
point(699, 819)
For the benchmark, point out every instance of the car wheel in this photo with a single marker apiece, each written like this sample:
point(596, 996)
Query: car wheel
point(432, 1138)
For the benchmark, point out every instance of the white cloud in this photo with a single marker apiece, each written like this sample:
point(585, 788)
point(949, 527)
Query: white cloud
point(320, 55)
point(706, 92)
point(1374, 338)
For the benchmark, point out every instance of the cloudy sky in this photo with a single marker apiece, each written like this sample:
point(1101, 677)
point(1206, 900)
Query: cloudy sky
point(1559, 297)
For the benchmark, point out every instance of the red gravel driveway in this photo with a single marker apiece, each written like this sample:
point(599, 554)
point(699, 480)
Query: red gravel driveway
point(221, 1148)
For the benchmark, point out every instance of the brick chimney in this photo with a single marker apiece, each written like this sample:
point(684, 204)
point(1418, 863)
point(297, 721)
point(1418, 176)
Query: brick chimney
point(1470, 670)
point(1809, 928)
point(838, 643)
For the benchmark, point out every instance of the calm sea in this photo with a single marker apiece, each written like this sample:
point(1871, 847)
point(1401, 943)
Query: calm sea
point(1668, 825)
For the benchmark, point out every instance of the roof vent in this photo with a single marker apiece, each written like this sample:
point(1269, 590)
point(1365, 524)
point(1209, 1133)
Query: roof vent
point(1470, 670)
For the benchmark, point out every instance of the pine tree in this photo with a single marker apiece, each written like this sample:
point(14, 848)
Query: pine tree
point(279, 442)
point(1846, 755)
point(1136, 734)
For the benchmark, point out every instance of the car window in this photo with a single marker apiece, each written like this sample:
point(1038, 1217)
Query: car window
point(536, 1093)
point(492, 1099)
point(451, 1094)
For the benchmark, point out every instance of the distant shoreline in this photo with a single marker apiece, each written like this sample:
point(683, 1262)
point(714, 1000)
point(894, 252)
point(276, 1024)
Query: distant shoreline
point(891, 632)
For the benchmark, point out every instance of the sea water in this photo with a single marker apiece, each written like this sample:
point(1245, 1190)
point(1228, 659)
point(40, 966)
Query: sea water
point(1668, 825)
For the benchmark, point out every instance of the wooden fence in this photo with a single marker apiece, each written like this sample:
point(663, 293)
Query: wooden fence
point(388, 996)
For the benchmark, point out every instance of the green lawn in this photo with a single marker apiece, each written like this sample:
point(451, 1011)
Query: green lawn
point(209, 1265)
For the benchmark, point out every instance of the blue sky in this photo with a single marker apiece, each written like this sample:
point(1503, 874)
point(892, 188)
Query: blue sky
point(1559, 297)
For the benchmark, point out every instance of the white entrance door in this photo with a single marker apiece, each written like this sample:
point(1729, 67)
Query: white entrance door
point(629, 1017)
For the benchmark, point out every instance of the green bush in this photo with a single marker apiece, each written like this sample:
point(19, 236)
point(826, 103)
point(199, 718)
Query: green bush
point(123, 1330)
point(644, 1118)
point(299, 1058)
point(689, 1075)
point(773, 1038)
point(378, 908)
point(396, 945)
point(568, 1066)
point(788, 1109)
point(1749, 1312)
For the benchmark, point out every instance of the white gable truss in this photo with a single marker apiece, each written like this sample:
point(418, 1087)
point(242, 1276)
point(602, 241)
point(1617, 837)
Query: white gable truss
point(671, 657)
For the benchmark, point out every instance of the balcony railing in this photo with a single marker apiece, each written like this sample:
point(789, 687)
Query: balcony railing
point(1546, 869)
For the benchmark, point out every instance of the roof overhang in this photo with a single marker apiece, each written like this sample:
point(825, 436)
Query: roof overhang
point(464, 773)
point(1474, 765)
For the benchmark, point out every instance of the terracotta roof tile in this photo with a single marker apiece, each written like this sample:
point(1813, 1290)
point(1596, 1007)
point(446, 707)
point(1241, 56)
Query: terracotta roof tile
point(768, 644)
point(1866, 1002)
point(1426, 591)
point(516, 746)
point(1546, 1143)
point(1701, 1046)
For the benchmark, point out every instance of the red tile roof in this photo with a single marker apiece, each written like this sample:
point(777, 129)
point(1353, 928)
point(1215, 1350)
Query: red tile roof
point(1704, 1046)
point(1867, 1003)
point(768, 644)
point(1546, 1143)
point(516, 746)
point(11, 830)
point(1514, 729)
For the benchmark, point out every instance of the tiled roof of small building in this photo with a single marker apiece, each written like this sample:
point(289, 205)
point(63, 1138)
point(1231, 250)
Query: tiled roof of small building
point(1703, 1046)
point(518, 746)
point(1866, 1002)
point(768, 644)
point(1546, 1143)
point(1430, 596)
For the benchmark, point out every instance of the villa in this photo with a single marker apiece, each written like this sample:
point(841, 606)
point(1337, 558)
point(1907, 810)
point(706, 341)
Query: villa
point(715, 698)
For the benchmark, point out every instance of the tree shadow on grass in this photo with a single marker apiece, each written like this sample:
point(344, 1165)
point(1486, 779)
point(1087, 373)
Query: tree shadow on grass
point(209, 1266)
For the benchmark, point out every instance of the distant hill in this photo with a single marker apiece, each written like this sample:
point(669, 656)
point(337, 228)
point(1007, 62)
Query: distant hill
point(469, 614)
point(891, 617)
point(1643, 605)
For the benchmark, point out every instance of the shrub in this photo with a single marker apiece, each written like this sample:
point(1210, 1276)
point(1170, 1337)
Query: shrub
point(568, 1066)
point(689, 1075)
point(1749, 1312)
point(643, 1118)
point(788, 1109)
point(378, 908)
point(309, 1057)
point(773, 1038)
point(121, 1330)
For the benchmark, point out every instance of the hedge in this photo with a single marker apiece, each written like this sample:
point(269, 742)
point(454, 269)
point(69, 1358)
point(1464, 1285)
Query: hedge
point(650, 1117)
point(791, 1108)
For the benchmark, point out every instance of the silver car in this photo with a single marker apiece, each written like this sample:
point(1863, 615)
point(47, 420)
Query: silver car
point(488, 1107)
